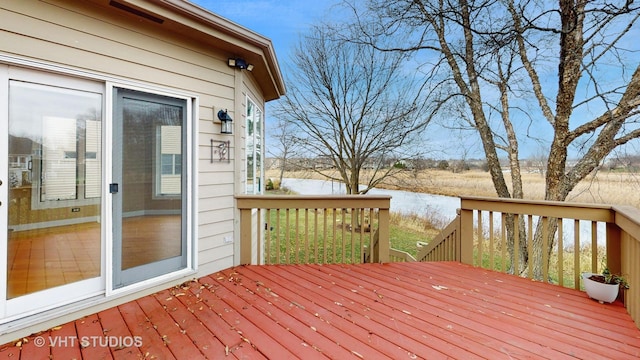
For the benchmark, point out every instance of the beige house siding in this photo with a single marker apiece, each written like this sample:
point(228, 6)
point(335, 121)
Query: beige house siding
point(94, 40)
point(108, 43)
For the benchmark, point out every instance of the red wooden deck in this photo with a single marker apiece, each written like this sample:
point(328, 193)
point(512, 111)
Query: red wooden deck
point(396, 311)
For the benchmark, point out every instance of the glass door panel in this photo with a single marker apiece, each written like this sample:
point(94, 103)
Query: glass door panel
point(54, 142)
point(149, 204)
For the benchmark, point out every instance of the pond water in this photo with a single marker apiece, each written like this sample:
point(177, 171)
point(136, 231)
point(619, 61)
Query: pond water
point(435, 207)
point(438, 208)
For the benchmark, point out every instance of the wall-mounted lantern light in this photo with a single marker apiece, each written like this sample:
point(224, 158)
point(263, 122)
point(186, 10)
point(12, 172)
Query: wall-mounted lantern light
point(240, 64)
point(226, 120)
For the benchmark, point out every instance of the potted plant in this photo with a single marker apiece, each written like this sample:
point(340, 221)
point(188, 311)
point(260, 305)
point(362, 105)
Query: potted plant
point(603, 287)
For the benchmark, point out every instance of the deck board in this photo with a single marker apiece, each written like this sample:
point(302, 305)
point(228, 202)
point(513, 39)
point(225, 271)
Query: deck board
point(87, 327)
point(111, 323)
point(373, 316)
point(440, 310)
point(140, 325)
point(476, 310)
point(184, 317)
point(440, 329)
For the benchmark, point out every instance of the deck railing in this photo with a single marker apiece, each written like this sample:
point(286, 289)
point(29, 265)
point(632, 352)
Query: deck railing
point(353, 229)
point(445, 246)
point(587, 238)
point(313, 229)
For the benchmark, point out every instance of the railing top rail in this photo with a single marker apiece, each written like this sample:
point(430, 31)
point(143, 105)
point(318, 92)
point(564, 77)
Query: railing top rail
point(628, 219)
point(559, 209)
point(312, 201)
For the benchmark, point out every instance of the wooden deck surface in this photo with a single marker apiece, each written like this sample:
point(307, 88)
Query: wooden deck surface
point(434, 310)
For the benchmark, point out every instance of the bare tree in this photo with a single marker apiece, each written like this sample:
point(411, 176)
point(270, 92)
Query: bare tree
point(283, 147)
point(353, 106)
point(566, 69)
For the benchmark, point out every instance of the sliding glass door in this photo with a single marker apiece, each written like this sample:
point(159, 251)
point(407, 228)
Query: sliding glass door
point(149, 186)
point(52, 145)
point(94, 200)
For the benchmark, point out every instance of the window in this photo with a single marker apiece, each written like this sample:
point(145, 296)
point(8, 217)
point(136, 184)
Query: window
point(169, 166)
point(254, 149)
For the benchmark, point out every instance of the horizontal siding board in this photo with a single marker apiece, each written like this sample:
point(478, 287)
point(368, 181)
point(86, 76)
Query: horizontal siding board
point(215, 204)
point(211, 216)
point(98, 62)
point(215, 173)
point(215, 190)
point(215, 229)
point(97, 28)
point(215, 255)
point(204, 138)
point(212, 242)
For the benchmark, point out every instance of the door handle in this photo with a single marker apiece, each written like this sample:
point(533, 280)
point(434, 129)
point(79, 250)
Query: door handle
point(113, 188)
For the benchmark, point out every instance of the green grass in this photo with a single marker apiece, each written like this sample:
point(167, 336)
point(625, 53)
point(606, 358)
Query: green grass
point(296, 239)
point(405, 239)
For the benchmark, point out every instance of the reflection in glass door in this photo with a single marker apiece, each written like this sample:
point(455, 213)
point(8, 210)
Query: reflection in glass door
point(54, 153)
point(148, 187)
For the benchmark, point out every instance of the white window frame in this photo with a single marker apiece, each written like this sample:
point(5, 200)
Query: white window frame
point(253, 139)
point(157, 186)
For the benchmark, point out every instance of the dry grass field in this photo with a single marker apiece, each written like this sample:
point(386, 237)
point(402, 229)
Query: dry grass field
point(603, 188)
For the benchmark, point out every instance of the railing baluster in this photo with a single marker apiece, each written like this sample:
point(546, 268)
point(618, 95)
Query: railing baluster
point(362, 229)
point(545, 244)
point(371, 227)
point(530, 245)
point(325, 243)
point(306, 236)
point(343, 220)
point(503, 245)
point(333, 242)
point(560, 265)
point(287, 236)
point(296, 241)
point(354, 219)
point(491, 244)
point(259, 232)
point(315, 236)
point(268, 237)
point(278, 235)
point(576, 255)
point(516, 245)
point(479, 236)
point(594, 246)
